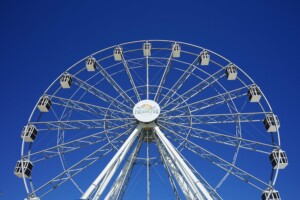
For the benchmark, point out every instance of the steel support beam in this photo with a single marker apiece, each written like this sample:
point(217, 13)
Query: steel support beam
point(147, 76)
point(197, 88)
point(117, 87)
point(130, 77)
point(179, 83)
point(171, 167)
point(164, 77)
point(100, 94)
point(212, 101)
point(199, 190)
point(220, 118)
point(104, 177)
point(117, 190)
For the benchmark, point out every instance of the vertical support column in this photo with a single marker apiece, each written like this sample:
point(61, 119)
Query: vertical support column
point(192, 180)
point(148, 168)
point(102, 180)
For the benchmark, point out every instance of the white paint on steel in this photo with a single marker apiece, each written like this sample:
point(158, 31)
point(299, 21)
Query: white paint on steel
point(185, 169)
point(115, 161)
point(84, 85)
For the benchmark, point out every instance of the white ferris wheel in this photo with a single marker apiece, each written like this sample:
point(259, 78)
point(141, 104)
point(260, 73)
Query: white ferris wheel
point(126, 117)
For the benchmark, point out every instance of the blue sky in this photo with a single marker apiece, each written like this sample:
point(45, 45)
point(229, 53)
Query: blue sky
point(39, 40)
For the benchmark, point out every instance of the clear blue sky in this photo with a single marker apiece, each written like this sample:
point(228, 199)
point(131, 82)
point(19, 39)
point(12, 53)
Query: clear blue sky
point(39, 40)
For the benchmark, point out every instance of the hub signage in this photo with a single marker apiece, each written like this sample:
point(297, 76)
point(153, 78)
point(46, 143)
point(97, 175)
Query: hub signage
point(146, 111)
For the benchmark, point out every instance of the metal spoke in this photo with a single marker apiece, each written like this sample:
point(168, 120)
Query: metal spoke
point(222, 138)
point(76, 144)
point(197, 89)
point(82, 106)
point(130, 77)
point(115, 84)
point(164, 77)
point(78, 167)
point(101, 95)
point(227, 166)
point(223, 118)
point(180, 82)
point(212, 101)
point(147, 76)
point(77, 124)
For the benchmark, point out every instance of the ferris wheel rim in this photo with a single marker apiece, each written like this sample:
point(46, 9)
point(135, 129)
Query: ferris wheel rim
point(140, 41)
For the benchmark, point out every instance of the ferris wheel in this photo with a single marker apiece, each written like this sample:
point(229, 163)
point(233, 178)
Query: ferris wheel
point(129, 116)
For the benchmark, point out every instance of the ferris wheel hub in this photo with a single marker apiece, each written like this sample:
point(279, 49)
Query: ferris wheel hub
point(146, 111)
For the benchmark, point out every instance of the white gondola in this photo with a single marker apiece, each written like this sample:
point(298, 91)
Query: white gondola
point(176, 50)
point(254, 94)
point(278, 159)
point(118, 53)
point(27, 166)
point(270, 195)
point(270, 123)
point(44, 104)
point(204, 58)
point(29, 133)
point(90, 64)
point(66, 81)
point(231, 72)
point(147, 49)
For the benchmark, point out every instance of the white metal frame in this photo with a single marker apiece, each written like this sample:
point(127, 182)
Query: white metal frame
point(106, 103)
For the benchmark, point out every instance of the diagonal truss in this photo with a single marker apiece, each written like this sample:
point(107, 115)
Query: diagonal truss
point(82, 106)
point(79, 143)
point(171, 167)
point(223, 164)
point(101, 95)
point(130, 77)
point(171, 170)
point(173, 162)
point(104, 177)
point(212, 101)
point(164, 77)
point(191, 180)
point(197, 89)
point(118, 189)
point(212, 191)
point(223, 118)
point(147, 76)
point(77, 124)
point(221, 138)
point(179, 83)
point(78, 167)
point(115, 84)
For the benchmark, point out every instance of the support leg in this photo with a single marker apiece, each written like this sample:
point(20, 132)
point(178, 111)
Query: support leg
point(198, 189)
point(102, 180)
point(118, 188)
